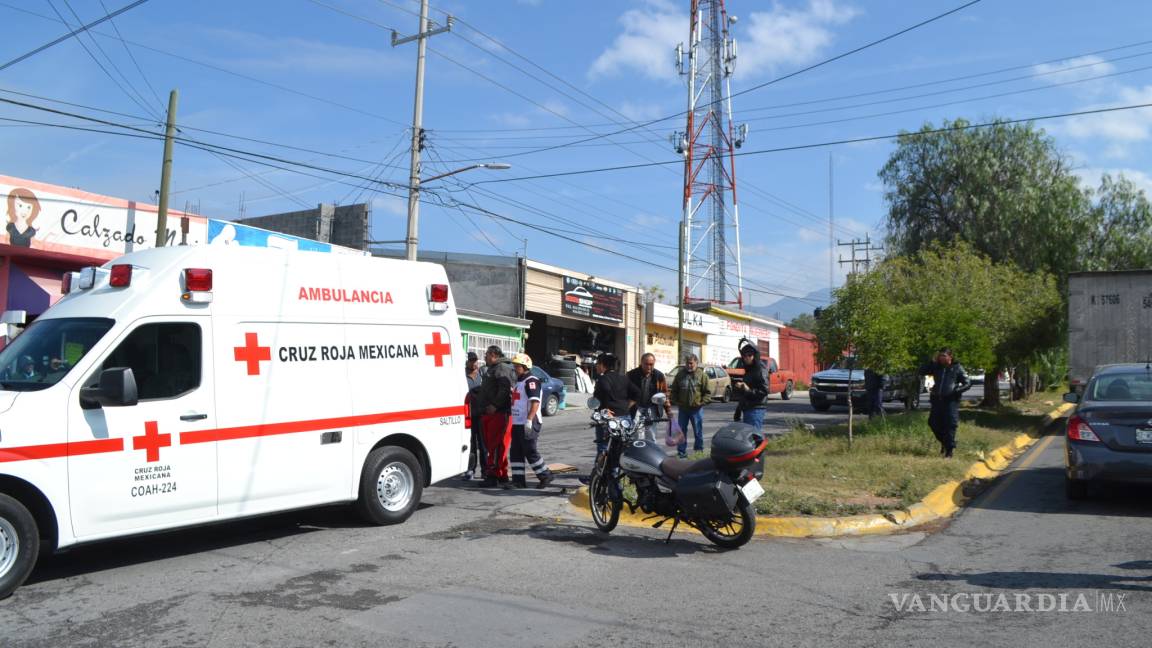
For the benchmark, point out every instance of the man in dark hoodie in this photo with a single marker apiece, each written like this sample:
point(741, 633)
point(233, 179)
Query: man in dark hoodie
point(951, 381)
point(496, 422)
point(753, 391)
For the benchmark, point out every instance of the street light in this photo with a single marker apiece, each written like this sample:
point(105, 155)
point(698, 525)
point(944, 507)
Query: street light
point(414, 201)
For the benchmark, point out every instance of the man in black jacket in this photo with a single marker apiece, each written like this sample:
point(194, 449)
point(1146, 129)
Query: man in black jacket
point(753, 391)
point(614, 392)
point(496, 422)
point(951, 381)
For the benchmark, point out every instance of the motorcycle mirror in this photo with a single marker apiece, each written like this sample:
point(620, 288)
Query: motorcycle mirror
point(594, 403)
point(659, 398)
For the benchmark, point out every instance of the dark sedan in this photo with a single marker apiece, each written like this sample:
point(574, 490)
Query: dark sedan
point(553, 392)
point(1109, 436)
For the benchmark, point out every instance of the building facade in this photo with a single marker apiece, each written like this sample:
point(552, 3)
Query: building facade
point(343, 225)
point(52, 230)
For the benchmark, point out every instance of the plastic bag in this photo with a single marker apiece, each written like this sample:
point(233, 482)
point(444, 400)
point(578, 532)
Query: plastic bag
point(675, 435)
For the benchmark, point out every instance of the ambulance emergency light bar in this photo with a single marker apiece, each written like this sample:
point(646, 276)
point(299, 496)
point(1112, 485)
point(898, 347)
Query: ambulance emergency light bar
point(197, 281)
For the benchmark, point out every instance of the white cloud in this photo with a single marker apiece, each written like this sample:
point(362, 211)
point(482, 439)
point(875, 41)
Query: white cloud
point(257, 52)
point(391, 205)
point(1123, 126)
point(1091, 177)
point(785, 36)
point(649, 220)
point(648, 42)
point(1074, 69)
point(782, 35)
point(640, 111)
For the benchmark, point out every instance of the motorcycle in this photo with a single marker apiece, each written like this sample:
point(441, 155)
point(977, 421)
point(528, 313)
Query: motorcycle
point(713, 495)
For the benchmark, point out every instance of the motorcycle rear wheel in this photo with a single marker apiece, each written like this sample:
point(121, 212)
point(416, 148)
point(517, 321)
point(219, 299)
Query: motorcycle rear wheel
point(604, 498)
point(733, 532)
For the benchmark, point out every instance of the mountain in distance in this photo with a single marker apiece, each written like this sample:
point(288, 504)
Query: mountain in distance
point(786, 308)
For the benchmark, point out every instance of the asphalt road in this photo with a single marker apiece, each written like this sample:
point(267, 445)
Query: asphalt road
point(519, 568)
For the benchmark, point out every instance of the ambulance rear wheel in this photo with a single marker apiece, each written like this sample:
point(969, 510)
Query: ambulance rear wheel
point(391, 486)
point(19, 544)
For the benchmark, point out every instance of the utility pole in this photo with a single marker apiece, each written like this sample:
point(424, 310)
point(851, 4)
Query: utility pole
point(861, 257)
point(422, 33)
point(831, 238)
point(166, 171)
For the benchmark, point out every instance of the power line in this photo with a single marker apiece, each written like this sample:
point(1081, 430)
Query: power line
point(82, 28)
point(855, 140)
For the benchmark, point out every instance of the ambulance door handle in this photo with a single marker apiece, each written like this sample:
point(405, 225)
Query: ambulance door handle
point(193, 417)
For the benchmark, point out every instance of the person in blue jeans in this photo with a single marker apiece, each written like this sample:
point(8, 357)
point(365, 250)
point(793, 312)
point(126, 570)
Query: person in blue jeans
point(690, 392)
point(753, 390)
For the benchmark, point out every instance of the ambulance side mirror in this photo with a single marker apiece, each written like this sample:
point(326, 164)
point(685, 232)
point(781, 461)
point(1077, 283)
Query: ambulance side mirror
point(117, 388)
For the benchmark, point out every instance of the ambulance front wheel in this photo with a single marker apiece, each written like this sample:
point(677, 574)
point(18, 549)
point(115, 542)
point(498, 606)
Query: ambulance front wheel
point(391, 485)
point(19, 544)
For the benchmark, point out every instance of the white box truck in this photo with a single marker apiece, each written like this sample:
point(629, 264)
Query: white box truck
point(190, 385)
point(1109, 321)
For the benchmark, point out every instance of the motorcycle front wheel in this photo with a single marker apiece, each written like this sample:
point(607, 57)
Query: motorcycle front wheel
point(735, 530)
point(605, 499)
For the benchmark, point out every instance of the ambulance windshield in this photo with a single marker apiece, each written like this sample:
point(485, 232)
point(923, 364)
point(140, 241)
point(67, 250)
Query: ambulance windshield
point(45, 352)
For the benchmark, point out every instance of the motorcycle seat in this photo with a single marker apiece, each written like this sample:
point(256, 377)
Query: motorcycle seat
point(676, 468)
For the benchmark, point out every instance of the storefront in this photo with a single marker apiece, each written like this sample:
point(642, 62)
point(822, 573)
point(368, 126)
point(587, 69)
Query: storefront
point(723, 343)
point(482, 330)
point(661, 337)
point(577, 314)
point(51, 230)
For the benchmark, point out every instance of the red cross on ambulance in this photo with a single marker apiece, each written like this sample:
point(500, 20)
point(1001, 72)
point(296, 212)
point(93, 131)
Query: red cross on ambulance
point(252, 353)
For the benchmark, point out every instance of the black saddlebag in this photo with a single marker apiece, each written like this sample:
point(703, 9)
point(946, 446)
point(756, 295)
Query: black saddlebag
point(707, 494)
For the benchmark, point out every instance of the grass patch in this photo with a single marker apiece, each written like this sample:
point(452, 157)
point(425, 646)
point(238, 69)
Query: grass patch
point(893, 462)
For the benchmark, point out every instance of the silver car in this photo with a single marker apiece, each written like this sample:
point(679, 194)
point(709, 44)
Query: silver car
point(1109, 436)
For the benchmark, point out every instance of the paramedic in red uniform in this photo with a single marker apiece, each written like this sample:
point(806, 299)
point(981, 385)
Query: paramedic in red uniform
point(496, 396)
point(526, 424)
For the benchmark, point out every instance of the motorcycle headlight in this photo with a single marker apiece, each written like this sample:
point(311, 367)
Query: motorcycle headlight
point(613, 424)
point(597, 417)
point(626, 423)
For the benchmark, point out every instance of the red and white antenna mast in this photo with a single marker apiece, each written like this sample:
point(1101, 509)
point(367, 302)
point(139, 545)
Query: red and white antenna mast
point(710, 269)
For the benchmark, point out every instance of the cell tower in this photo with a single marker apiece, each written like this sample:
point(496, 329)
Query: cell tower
point(710, 266)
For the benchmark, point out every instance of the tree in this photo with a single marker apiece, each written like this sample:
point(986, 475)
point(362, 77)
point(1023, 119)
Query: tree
point(1117, 233)
point(1006, 190)
point(803, 322)
point(652, 293)
point(896, 316)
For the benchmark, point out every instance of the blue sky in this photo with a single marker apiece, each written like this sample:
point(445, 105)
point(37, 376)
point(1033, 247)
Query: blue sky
point(322, 75)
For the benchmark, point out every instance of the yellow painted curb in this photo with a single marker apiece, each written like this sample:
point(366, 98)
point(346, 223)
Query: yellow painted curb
point(941, 503)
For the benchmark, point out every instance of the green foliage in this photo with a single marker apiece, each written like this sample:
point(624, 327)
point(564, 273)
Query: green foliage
point(897, 315)
point(1051, 367)
point(803, 322)
point(1117, 232)
point(1005, 190)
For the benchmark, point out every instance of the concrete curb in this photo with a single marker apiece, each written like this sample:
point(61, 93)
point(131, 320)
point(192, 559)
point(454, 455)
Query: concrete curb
point(940, 504)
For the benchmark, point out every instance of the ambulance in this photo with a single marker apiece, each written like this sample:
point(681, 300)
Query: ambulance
point(189, 385)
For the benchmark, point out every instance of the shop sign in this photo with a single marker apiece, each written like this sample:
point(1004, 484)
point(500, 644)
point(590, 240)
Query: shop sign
point(592, 301)
point(45, 217)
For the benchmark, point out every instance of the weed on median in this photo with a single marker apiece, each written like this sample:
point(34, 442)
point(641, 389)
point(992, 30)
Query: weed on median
point(892, 463)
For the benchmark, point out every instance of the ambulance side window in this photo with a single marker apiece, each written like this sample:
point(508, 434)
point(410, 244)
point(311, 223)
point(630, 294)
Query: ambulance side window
point(164, 358)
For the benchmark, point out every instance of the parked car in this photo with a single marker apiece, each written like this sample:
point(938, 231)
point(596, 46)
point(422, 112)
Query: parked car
point(1109, 435)
point(718, 380)
point(780, 381)
point(830, 387)
point(553, 392)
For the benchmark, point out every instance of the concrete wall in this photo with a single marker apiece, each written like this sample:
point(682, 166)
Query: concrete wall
point(345, 225)
point(483, 283)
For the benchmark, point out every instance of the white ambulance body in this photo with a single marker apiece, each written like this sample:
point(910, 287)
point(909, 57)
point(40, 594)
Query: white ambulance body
point(188, 385)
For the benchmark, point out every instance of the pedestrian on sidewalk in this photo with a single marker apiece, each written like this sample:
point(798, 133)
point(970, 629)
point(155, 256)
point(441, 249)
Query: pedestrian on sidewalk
point(753, 390)
point(950, 381)
point(496, 395)
point(690, 393)
point(526, 426)
point(475, 377)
